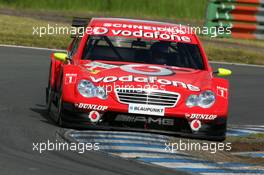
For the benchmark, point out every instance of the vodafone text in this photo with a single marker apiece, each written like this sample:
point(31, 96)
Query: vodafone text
point(153, 80)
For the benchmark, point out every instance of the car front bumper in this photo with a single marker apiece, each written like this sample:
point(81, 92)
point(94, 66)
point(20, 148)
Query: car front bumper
point(176, 125)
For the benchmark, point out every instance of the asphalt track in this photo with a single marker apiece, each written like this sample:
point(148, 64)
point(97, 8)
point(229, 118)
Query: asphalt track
point(23, 76)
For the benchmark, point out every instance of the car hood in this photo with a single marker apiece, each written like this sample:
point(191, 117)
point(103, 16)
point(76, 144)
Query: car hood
point(136, 75)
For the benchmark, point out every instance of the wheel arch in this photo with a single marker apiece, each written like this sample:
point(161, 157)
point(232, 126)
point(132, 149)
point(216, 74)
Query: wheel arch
point(55, 66)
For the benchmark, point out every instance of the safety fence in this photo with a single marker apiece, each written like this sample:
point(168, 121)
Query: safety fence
point(245, 18)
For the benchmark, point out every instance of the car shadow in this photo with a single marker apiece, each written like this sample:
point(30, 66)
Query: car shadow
point(42, 111)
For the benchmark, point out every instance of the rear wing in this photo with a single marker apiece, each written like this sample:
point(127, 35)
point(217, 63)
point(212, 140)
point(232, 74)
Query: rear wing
point(79, 23)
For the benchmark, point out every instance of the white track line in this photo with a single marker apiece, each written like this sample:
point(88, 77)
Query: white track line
point(101, 136)
point(29, 47)
point(185, 165)
point(120, 141)
point(118, 132)
point(106, 148)
point(247, 126)
point(60, 50)
point(243, 130)
point(153, 155)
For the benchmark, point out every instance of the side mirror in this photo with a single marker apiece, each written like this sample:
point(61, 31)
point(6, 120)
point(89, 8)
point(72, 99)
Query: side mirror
point(60, 56)
point(221, 72)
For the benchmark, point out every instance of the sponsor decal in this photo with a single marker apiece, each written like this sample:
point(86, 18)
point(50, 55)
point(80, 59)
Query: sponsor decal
point(141, 27)
point(94, 116)
point(100, 30)
point(146, 109)
point(70, 78)
point(201, 116)
point(132, 68)
point(138, 31)
point(94, 71)
point(91, 106)
point(154, 80)
point(95, 64)
point(222, 92)
point(143, 119)
point(195, 125)
point(146, 70)
point(96, 67)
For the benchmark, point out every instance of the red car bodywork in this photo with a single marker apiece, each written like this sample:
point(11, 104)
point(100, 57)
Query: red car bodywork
point(64, 78)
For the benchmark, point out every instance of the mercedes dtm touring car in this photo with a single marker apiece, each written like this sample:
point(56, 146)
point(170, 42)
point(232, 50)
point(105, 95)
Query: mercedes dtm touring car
point(124, 74)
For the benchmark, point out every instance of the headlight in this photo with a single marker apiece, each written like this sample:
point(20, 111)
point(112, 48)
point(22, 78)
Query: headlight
point(205, 100)
point(101, 93)
point(88, 89)
point(192, 101)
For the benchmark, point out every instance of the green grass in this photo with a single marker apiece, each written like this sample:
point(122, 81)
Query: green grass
point(247, 42)
point(216, 53)
point(168, 9)
point(258, 136)
point(19, 31)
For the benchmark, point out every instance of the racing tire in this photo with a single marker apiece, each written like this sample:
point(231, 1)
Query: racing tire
point(60, 110)
point(59, 113)
point(49, 93)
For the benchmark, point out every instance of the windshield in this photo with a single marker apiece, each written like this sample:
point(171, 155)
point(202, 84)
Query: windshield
point(143, 51)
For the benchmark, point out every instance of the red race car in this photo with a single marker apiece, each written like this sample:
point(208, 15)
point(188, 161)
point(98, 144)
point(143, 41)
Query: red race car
point(123, 74)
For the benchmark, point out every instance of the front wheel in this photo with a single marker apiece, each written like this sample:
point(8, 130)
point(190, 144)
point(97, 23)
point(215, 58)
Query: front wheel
point(59, 112)
point(49, 96)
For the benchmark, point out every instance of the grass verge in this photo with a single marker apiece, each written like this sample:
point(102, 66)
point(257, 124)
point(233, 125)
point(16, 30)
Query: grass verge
point(19, 31)
point(246, 42)
point(168, 9)
point(235, 55)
